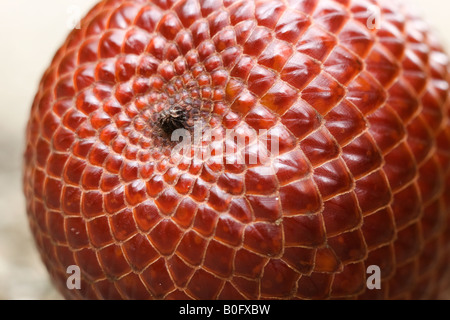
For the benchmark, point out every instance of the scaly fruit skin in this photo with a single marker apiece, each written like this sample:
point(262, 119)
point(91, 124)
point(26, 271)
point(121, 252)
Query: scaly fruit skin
point(362, 176)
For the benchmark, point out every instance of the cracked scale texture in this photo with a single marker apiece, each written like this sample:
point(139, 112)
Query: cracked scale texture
point(362, 177)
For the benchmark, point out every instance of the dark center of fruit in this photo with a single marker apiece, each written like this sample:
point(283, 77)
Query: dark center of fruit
point(173, 118)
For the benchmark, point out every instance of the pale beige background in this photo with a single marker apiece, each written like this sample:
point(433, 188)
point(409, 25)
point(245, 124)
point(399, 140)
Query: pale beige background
point(30, 32)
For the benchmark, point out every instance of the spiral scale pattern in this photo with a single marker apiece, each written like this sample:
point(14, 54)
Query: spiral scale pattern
point(361, 177)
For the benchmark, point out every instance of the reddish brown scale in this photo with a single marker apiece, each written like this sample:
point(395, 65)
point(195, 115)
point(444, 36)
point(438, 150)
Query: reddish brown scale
point(362, 176)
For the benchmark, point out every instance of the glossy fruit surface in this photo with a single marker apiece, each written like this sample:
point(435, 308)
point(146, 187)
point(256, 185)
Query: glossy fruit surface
point(357, 101)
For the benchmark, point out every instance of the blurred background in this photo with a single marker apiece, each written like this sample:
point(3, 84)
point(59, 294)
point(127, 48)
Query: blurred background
point(30, 33)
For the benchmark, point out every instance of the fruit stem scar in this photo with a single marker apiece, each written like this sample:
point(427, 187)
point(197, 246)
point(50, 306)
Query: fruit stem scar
point(171, 119)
